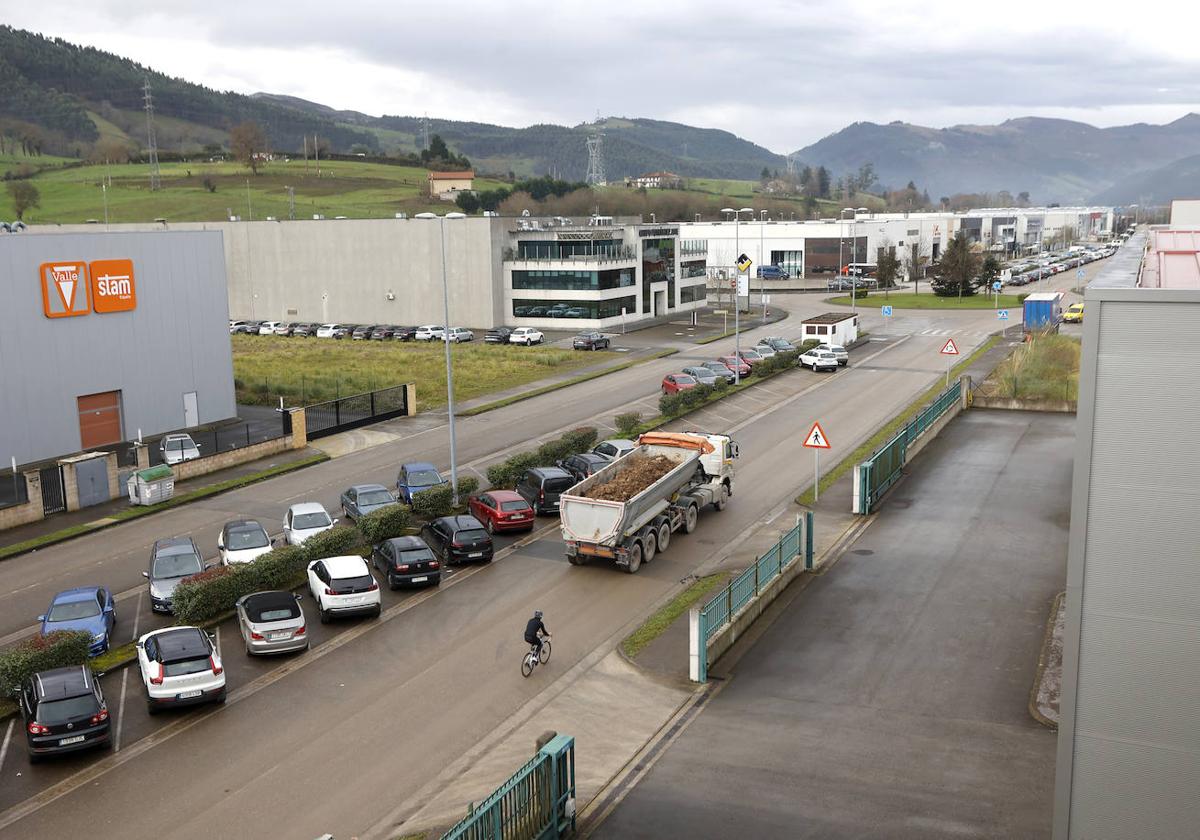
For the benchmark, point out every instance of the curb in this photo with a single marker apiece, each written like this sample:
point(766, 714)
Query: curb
point(1034, 712)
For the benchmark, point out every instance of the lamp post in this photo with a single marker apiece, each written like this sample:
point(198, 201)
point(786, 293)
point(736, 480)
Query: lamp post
point(842, 265)
point(762, 261)
point(737, 247)
point(446, 342)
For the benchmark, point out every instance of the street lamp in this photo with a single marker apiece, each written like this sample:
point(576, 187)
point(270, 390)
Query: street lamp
point(446, 341)
point(737, 247)
point(842, 257)
point(762, 261)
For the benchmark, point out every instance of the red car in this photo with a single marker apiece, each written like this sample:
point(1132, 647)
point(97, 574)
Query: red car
point(751, 357)
point(673, 383)
point(738, 367)
point(502, 510)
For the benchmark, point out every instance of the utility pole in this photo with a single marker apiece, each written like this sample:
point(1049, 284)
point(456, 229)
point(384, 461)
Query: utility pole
point(151, 140)
point(317, 154)
point(595, 169)
point(305, 154)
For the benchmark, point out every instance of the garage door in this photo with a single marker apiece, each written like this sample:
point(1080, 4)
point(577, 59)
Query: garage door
point(99, 419)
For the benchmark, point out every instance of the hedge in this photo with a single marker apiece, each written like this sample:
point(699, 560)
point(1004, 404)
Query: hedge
point(439, 501)
point(385, 523)
point(41, 653)
point(628, 423)
point(507, 473)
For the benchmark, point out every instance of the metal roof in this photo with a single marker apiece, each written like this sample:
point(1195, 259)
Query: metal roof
point(1172, 260)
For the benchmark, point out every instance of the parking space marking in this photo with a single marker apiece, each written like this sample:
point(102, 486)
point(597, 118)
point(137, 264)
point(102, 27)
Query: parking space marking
point(7, 738)
point(121, 709)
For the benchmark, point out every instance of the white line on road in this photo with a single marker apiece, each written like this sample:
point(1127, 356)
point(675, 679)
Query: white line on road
point(7, 737)
point(121, 709)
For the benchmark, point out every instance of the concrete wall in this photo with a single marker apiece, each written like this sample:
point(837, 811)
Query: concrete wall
point(31, 510)
point(175, 341)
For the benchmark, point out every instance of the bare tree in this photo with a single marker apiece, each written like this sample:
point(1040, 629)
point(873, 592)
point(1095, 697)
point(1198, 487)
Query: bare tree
point(916, 256)
point(25, 196)
point(887, 266)
point(248, 143)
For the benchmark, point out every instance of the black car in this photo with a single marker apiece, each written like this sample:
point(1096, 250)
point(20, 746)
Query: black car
point(382, 332)
point(590, 341)
point(584, 464)
point(404, 333)
point(720, 369)
point(64, 711)
point(457, 539)
point(407, 561)
point(541, 487)
point(363, 331)
point(497, 335)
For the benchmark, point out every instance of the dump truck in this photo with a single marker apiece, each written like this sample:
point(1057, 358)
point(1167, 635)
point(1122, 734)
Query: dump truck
point(632, 532)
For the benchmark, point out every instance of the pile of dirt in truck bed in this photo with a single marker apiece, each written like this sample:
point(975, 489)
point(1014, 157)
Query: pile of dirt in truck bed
point(639, 473)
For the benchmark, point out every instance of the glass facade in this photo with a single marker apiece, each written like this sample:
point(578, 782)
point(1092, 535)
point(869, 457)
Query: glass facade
point(658, 264)
point(583, 281)
point(822, 255)
point(790, 261)
point(534, 308)
point(694, 268)
point(693, 248)
point(690, 294)
point(528, 249)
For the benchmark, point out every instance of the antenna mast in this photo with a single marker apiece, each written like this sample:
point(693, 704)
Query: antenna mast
point(151, 140)
point(595, 169)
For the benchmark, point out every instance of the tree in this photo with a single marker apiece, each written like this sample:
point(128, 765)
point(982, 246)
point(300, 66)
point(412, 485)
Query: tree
point(765, 175)
point(957, 272)
point(248, 142)
point(822, 182)
point(989, 271)
point(25, 196)
point(915, 258)
point(866, 177)
point(887, 265)
point(1023, 198)
point(467, 202)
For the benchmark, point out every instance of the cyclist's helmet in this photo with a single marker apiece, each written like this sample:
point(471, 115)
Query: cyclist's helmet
point(537, 613)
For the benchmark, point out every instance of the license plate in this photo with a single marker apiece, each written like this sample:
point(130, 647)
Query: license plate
point(75, 740)
point(282, 634)
point(476, 554)
point(420, 579)
point(184, 695)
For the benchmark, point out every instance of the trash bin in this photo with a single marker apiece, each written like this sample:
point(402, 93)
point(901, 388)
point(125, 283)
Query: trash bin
point(151, 486)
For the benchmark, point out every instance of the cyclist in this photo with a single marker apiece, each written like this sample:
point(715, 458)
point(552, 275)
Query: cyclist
point(534, 630)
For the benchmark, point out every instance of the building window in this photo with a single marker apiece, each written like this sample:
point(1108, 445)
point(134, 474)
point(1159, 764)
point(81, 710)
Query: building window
point(658, 264)
point(529, 249)
point(573, 280)
point(790, 261)
point(571, 309)
point(691, 294)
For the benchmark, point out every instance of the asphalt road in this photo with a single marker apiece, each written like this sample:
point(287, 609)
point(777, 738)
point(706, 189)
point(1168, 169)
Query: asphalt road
point(406, 695)
point(889, 698)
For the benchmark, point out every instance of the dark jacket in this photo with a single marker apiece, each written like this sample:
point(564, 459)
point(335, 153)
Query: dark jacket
point(532, 628)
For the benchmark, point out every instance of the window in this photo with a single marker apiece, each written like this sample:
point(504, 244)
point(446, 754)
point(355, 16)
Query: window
point(593, 309)
point(790, 261)
point(73, 610)
point(691, 294)
point(658, 264)
point(55, 712)
point(573, 280)
point(311, 520)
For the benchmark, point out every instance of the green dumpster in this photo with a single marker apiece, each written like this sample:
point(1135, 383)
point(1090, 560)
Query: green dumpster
point(151, 486)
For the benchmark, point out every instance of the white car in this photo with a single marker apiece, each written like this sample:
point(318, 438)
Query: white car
point(328, 330)
point(180, 667)
point(429, 332)
point(343, 585)
point(819, 359)
point(305, 519)
point(177, 448)
point(241, 541)
point(268, 327)
point(458, 334)
point(837, 350)
point(526, 336)
point(236, 326)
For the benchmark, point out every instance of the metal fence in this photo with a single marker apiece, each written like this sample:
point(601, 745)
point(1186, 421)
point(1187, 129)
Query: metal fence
point(219, 439)
point(338, 415)
point(537, 802)
point(878, 473)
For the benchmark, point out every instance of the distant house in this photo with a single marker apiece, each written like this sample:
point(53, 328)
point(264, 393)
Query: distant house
point(655, 181)
point(447, 185)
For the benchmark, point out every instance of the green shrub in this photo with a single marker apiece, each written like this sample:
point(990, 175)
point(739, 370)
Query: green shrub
point(806, 345)
point(507, 474)
point(721, 384)
point(628, 423)
point(385, 523)
point(215, 591)
point(331, 543)
point(581, 439)
point(467, 484)
point(553, 450)
point(41, 653)
point(434, 502)
point(670, 404)
point(697, 396)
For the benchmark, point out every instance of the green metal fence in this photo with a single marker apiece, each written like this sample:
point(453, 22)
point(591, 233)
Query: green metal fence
point(886, 464)
point(537, 803)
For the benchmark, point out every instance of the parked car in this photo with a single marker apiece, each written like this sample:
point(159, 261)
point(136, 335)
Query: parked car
point(405, 333)
point(818, 360)
point(738, 366)
point(590, 341)
point(1074, 313)
point(304, 330)
point(361, 499)
point(383, 331)
point(701, 374)
point(236, 326)
point(178, 447)
point(304, 520)
point(839, 285)
point(459, 334)
point(63, 710)
point(283, 328)
point(497, 335)
point(171, 561)
point(241, 541)
point(343, 586)
point(750, 357)
point(772, 272)
point(363, 331)
point(328, 330)
point(180, 666)
point(271, 622)
point(90, 609)
point(414, 477)
point(673, 383)
point(457, 539)
point(429, 332)
point(780, 345)
point(719, 369)
point(268, 327)
point(250, 327)
point(504, 510)
point(406, 561)
point(582, 465)
point(541, 487)
point(838, 351)
point(526, 336)
point(764, 350)
point(614, 448)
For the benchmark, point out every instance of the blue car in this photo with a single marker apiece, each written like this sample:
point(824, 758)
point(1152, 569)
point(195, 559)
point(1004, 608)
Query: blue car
point(88, 608)
point(415, 477)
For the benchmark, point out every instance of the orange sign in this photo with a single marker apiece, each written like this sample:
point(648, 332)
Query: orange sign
point(64, 289)
point(113, 288)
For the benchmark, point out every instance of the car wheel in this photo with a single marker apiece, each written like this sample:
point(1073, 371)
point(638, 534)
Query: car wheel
point(220, 701)
point(490, 527)
point(722, 498)
point(393, 584)
point(689, 519)
point(324, 615)
point(34, 758)
point(378, 610)
point(151, 707)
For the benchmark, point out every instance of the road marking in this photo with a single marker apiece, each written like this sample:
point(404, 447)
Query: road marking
point(7, 737)
point(121, 710)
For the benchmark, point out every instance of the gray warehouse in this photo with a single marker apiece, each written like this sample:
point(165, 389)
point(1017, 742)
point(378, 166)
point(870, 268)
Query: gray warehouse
point(108, 335)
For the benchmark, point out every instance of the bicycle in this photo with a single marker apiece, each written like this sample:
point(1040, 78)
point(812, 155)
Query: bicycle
point(532, 659)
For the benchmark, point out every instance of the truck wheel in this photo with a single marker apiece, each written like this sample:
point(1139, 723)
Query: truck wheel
point(664, 537)
point(650, 547)
point(574, 559)
point(689, 519)
point(635, 558)
point(722, 498)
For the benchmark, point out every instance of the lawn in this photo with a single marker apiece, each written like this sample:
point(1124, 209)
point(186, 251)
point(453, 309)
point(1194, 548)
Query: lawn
point(928, 300)
point(308, 370)
point(1044, 368)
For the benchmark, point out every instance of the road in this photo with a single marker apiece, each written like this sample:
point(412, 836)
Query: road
point(406, 695)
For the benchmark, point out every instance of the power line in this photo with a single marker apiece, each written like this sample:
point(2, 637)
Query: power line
point(152, 141)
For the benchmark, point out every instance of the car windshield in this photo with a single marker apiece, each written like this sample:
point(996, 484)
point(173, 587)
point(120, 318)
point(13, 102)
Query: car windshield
point(357, 584)
point(187, 666)
point(423, 478)
point(74, 610)
point(515, 505)
point(179, 444)
point(318, 519)
point(53, 712)
point(415, 555)
point(375, 497)
point(243, 538)
point(471, 535)
point(177, 565)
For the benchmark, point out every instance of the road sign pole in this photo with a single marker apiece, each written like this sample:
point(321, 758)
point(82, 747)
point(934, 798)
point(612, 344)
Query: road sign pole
point(816, 475)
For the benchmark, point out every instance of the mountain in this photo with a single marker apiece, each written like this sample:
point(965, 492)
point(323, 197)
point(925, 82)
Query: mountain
point(1178, 179)
point(1053, 160)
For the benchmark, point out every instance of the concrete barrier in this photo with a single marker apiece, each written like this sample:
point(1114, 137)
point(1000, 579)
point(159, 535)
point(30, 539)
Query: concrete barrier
point(1019, 404)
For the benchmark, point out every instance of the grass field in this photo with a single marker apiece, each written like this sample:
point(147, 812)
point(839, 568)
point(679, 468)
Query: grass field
point(307, 370)
point(1045, 368)
point(928, 300)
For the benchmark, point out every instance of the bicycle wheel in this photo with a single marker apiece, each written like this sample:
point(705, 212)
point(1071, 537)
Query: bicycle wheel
point(527, 665)
point(545, 652)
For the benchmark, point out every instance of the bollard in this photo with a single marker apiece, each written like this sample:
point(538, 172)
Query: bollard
point(808, 540)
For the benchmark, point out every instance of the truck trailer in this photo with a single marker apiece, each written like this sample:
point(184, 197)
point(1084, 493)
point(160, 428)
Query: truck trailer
point(1043, 311)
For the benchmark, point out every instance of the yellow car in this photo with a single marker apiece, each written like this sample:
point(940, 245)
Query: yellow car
point(1074, 313)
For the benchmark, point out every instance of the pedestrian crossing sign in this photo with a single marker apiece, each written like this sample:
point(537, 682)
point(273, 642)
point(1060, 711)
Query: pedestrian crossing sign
point(1002, 314)
point(816, 438)
point(949, 348)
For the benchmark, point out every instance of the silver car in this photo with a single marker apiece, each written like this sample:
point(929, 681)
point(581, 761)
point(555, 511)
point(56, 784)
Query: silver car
point(701, 374)
point(177, 448)
point(272, 622)
point(843, 358)
point(614, 448)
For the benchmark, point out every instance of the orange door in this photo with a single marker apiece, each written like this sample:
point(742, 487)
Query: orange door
point(99, 419)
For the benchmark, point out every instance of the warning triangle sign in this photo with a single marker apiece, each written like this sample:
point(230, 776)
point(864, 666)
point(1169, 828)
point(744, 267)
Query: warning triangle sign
point(816, 438)
point(66, 292)
point(949, 349)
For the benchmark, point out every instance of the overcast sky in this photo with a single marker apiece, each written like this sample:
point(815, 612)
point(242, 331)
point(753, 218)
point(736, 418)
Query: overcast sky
point(782, 74)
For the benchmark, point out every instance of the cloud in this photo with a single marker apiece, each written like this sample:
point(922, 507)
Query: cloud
point(780, 73)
